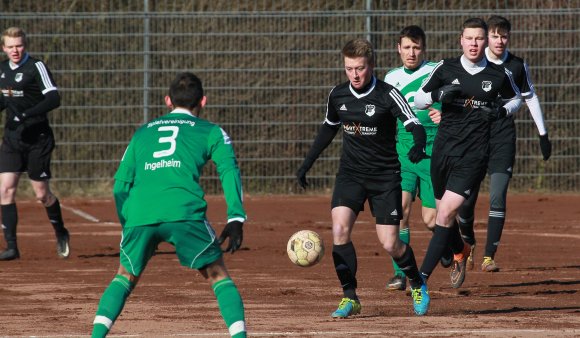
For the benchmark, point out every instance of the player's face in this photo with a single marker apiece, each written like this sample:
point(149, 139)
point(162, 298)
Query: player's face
point(473, 42)
point(498, 42)
point(359, 71)
point(411, 53)
point(14, 48)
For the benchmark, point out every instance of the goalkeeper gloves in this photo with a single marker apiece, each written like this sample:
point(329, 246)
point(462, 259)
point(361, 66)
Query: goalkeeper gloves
point(234, 231)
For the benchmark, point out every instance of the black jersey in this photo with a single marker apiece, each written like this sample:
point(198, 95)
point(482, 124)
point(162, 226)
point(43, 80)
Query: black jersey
point(25, 86)
point(464, 127)
point(504, 130)
point(369, 126)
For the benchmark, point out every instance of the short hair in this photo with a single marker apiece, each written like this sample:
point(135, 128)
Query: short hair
point(499, 24)
point(186, 90)
point(415, 34)
point(359, 48)
point(14, 32)
point(474, 23)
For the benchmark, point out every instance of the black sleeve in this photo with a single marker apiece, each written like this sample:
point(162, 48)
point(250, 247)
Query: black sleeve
point(51, 101)
point(325, 135)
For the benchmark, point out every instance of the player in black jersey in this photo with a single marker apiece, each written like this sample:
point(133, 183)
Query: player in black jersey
point(502, 146)
point(28, 94)
point(366, 109)
point(468, 88)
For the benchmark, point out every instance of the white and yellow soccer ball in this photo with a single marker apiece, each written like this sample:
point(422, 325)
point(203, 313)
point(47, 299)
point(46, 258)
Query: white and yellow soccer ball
point(305, 248)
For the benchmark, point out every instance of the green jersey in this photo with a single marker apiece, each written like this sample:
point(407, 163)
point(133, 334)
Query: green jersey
point(162, 166)
point(408, 82)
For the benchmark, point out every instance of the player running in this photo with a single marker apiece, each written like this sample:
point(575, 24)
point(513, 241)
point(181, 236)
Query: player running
point(467, 87)
point(159, 199)
point(367, 110)
point(502, 150)
point(416, 177)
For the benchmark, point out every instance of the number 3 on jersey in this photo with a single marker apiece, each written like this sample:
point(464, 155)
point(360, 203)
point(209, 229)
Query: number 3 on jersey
point(167, 139)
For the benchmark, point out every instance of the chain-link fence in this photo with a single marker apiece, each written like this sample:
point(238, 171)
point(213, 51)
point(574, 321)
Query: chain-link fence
point(267, 67)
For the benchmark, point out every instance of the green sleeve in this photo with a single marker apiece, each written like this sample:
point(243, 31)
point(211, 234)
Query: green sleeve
point(124, 178)
point(121, 192)
point(222, 154)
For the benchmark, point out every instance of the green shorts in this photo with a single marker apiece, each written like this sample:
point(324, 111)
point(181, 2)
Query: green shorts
point(416, 177)
point(194, 241)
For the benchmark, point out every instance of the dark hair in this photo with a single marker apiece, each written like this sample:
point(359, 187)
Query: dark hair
point(499, 24)
point(415, 34)
point(186, 91)
point(359, 48)
point(474, 23)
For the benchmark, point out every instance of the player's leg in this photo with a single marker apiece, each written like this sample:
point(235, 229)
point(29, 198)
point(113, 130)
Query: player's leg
point(499, 183)
point(347, 201)
point(137, 247)
point(8, 187)
point(228, 297)
point(465, 218)
point(197, 248)
point(398, 282)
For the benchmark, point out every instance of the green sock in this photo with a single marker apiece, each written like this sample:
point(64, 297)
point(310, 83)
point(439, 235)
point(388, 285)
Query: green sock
point(111, 305)
point(405, 236)
point(231, 307)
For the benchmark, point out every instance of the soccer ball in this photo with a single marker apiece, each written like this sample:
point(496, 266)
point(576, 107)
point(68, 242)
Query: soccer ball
point(305, 248)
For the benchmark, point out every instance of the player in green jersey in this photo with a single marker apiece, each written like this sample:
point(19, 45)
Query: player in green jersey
point(416, 177)
point(159, 199)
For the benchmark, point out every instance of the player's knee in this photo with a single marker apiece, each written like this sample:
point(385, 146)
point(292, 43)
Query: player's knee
point(46, 198)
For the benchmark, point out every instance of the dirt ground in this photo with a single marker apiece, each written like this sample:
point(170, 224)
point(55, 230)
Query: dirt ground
point(536, 293)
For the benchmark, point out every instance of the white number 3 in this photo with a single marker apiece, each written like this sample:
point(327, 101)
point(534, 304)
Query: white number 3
point(167, 139)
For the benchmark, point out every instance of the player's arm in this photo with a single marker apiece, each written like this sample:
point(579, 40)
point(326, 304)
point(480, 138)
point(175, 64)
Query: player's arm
point(510, 90)
point(222, 154)
point(326, 134)
point(533, 103)
point(51, 98)
point(401, 109)
point(124, 178)
point(434, 90)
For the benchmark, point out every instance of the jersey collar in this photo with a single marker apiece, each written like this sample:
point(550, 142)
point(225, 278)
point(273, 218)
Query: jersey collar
point(181, 111)
point(473, 68)
point(371, 87)
point(491, 58)
point(411, 71)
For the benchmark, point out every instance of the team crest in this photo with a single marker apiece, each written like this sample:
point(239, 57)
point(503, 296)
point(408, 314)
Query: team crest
point(18, 77)
point(370, 109)
point(486, 86)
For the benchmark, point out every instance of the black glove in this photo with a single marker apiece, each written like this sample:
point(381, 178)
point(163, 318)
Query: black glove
point(545, 146)
point(417, 153)
point(234, 231)
point(494, 113)
point(301, 176)
point(446, 94)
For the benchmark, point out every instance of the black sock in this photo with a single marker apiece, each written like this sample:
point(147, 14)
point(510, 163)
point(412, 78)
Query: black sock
point(408, 264)
point(55, 217)
point(9, 222)
point(345, 264)
point(466, 229)
point(455, 240)
point(435, 249)
point(495, 225)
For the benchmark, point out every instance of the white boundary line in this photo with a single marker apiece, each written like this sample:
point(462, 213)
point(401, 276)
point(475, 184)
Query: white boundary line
point(81, 213)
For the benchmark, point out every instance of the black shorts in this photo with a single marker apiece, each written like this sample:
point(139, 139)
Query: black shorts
point(18, 157)
point(502, 147)
point(383, 193)
point(459, 174)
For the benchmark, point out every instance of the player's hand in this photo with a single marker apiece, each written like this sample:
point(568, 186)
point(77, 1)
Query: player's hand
point(446, 94)
point(435, 115)
point(301, 177)
point(494, 113)
point(234, 231)
point(545, 146)
point(417, 153)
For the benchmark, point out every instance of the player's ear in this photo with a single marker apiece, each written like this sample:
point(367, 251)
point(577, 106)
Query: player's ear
point(168, 102)
point(203, 101)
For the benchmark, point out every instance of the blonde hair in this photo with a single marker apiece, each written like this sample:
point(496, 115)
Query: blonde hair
point(14, 32)
point(359, 48)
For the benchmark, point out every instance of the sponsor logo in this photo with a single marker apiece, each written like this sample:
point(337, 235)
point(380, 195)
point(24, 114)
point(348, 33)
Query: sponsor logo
point(358, 129)
point(43, 174)
point(18, 77)
point(509, 170)
point(343, 107)
point(394, 213)
point(162, 164)
point(456, 81)
point(370, 109)
point(467, 192)
point(486, 86)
